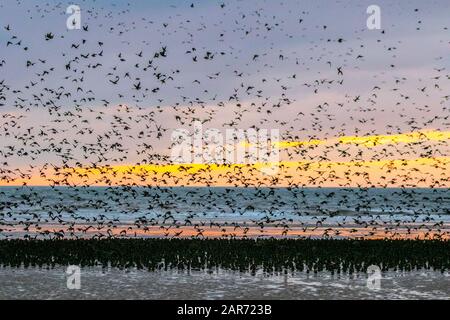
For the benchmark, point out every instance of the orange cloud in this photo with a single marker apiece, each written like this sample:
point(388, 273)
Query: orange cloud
point(373, 140)
point(420, 172)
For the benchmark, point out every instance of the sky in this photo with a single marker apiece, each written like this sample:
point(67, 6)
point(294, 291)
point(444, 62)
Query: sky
point(104, 99)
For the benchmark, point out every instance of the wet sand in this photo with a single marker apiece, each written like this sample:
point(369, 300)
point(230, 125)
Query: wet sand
point(98, 283)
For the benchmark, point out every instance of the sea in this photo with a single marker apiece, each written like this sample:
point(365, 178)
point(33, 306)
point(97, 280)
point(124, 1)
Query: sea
point(163, 205)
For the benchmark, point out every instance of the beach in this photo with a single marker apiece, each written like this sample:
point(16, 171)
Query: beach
point(98, 283)
point(224, 243)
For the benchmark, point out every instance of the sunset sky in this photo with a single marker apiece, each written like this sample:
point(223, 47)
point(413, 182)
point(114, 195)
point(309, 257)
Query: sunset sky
point(101, 108)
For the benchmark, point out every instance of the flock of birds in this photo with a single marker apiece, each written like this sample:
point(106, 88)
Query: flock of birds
point(107, 97)
point(271, 256)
